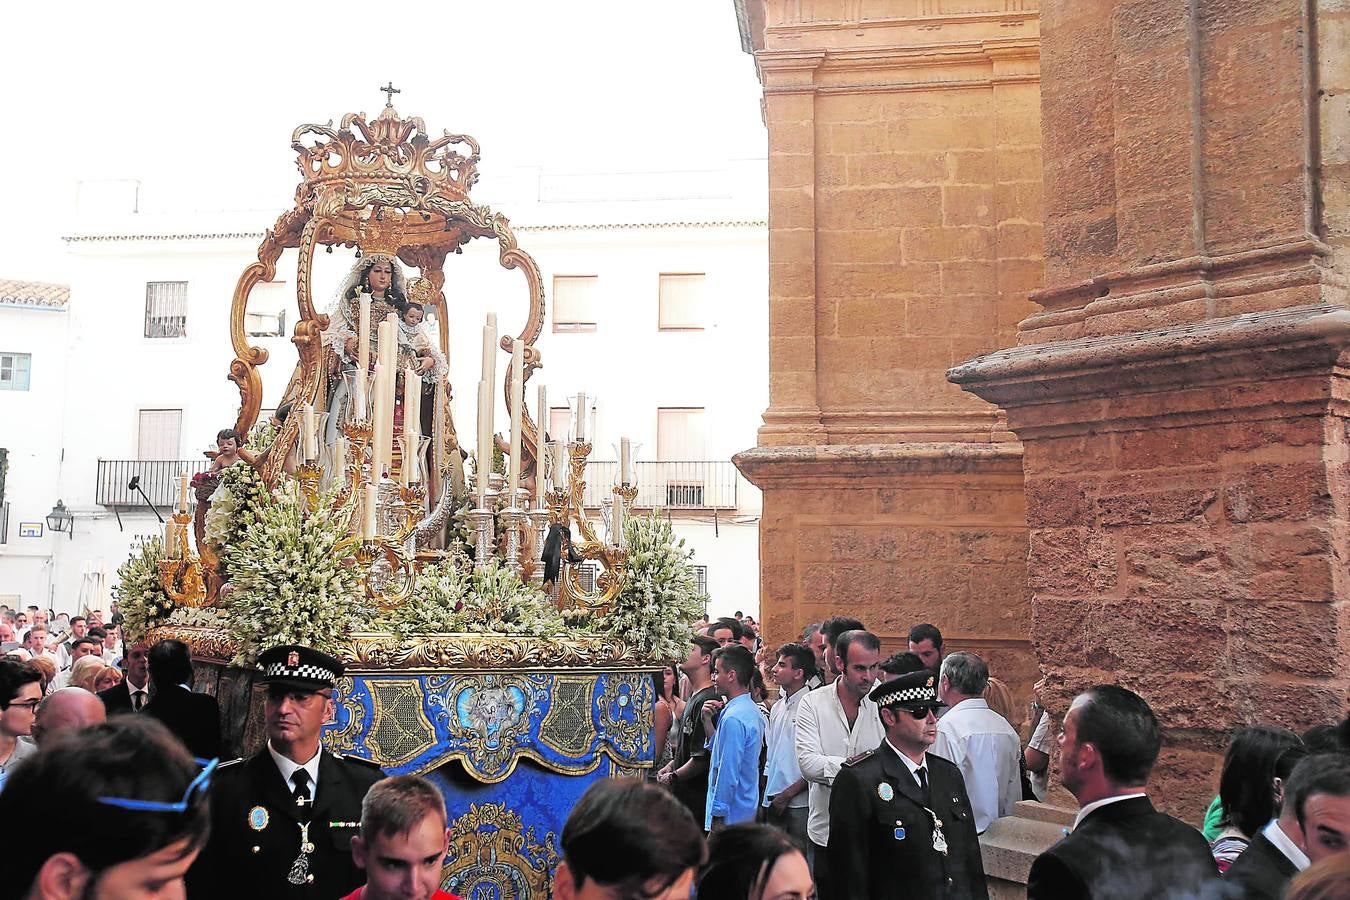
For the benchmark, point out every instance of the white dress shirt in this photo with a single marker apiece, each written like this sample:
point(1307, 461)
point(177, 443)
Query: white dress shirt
point(780, 763)
point(287, 768)
point(143, 690)
point(986, 749)
point(1098, 804)
point(1275, 834)
point(912, 765)
point(824, 741)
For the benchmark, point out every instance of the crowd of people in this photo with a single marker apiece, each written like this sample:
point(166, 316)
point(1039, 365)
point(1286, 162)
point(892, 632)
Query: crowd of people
point(816, 768)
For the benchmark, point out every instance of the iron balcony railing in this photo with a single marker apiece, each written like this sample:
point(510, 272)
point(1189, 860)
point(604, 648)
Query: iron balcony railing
point(682, 484)
point(158, 478)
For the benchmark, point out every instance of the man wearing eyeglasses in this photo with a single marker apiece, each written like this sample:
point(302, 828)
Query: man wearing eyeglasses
point(282, 821)
point(901, 824)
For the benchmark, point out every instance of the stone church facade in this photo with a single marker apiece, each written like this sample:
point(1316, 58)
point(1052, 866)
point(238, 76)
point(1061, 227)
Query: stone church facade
point(1058, 337)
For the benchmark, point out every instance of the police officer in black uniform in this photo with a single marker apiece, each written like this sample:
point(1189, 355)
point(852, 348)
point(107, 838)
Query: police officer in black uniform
point(282, 821)
point(900, 821)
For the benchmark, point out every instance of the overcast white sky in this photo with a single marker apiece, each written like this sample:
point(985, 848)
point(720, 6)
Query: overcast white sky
point(198, 100)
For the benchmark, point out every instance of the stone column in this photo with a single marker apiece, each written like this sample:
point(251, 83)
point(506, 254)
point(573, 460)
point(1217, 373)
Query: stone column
point(1181, 395)
point(904, 236)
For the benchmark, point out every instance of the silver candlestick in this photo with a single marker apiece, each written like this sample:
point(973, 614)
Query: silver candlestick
point(482, 519)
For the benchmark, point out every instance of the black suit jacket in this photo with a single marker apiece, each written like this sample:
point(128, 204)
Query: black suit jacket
point(116, 698)
point(1124, 851)
point(194, 718)
point(1262, 872)
point(881, 847)
point(255, 831)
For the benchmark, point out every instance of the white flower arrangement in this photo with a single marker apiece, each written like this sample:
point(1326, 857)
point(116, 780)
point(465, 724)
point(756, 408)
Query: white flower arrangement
point(660, 596)
point(141, 598)
point(200, 617)
point(293, 576)
point(450, 599)
point(232, 511)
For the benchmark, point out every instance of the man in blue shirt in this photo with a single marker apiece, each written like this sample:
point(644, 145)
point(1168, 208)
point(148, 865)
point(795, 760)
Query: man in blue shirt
point(733, 770)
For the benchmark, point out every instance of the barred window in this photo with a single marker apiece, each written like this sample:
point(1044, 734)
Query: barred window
point(166, 309)
point(681, 303)
point(14, 369)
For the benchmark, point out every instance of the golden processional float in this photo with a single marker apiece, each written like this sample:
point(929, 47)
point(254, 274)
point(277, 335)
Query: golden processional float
point(512, 719)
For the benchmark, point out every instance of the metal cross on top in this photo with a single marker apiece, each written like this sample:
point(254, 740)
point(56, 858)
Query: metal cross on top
point(391, 91)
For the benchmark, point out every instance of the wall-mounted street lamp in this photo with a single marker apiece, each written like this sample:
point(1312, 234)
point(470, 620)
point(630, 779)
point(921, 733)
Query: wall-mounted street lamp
point(60, 519)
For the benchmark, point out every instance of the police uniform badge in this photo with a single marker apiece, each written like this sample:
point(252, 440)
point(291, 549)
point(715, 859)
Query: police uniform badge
point(899, 831)
point(258, 818)
point(885, 791)
point(293, 659)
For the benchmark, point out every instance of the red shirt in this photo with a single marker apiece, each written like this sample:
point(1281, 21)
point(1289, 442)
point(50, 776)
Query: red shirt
point(360, 893)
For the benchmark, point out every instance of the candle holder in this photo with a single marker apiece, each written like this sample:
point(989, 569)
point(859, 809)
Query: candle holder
point(389, 514)
point(627, 493)
point(538, 519)
point(180, 575)
point(413, 500)
point(482, 519)
point(358, 433)
point(388, 573)
point(511, 518)
point(309, 475)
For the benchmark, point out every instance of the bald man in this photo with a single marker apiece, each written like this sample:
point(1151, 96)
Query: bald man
point(69, 709)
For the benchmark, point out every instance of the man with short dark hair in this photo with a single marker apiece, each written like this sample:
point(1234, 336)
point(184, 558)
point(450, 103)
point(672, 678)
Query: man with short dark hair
point(785, 797)
point(725, 631)
point(79, 649)
point(831, 629)
point(628, 839)
point(925, 642)
point(403, 841)
point(132, 693)
point(118, 810)
point(1278, 851)
point(78, 628)
point(900, 819)
point(194, 718)
point(835, 723)
point(65, 710)
point(981, 743)
point(901, 662)
point(733, 766)
point(1120, 846)
point(282, 823)
point(687, 773)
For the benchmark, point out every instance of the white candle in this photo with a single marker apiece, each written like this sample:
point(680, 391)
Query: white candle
point(484, 462)
point(170, 545)
point(517, 415)
point(311, 434)
point(541, 446)
point(378, 422)
point(362, 358)
point(561, 465)
point(183, 478)
point(490, 349)
point(410, 395)
point(368, 514)
point(625, 461)
point(618, 521)
point(581, 419)
point(390, 386)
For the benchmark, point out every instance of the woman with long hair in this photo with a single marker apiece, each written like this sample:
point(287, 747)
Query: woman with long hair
point(754, 862)
point(1247, 788)
point(669, 708)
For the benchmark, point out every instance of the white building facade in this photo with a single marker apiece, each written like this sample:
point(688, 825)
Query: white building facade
point(657, 304)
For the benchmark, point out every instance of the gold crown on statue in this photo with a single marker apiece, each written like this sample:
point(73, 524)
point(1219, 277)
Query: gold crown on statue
point(388, 149)
point(382, 232)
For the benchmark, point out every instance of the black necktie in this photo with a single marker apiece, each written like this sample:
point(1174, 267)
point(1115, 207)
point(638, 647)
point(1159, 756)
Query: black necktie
point(300, 778)
point(922, 774)
point(137, 700)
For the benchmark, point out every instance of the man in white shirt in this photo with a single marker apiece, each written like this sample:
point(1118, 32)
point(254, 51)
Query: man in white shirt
point(78, 629)
point(85, 646)
point(785, 797)
point(980, 741)
point(835, 723)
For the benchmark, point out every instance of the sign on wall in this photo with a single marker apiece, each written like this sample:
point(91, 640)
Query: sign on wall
point(30, 529)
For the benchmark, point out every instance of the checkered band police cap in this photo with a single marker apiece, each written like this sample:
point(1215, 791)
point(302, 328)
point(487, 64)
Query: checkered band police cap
point(912, 689)
point(299, 666)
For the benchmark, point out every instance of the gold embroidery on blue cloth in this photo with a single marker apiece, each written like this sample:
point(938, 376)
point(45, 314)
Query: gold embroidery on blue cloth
point(492, 854)
point(346, 738)
point(568, 728)
point(626, 715)
point(399, 726)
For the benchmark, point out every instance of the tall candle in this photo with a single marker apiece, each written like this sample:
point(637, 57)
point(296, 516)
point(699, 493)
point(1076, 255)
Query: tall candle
point(625, 461)
point(618, 520)
point(368, 513)
point(311, 435)
point(541, 447)
point(517, 415)
point(410, 395)
point(378, 422)
point(183, 478)
point(390, 385)
point(580, 429)
point(490, 349)
point(484, 463)
point(170, 545)
point(362, 357)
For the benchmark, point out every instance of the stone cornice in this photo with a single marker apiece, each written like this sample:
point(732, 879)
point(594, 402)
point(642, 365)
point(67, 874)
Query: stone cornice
point(854, 464)
point(1087, 378)
point(972, 63)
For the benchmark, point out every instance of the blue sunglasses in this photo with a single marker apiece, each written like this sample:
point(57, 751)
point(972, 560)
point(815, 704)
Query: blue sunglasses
point(194, 790)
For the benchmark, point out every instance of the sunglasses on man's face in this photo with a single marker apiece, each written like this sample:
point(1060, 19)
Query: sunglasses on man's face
point(919, 712)
point(195, 791)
